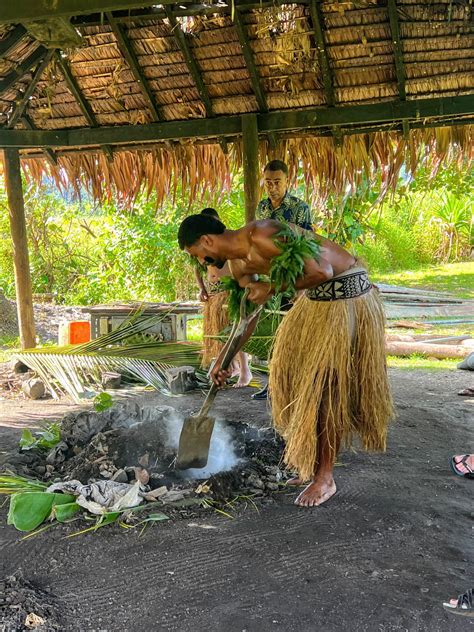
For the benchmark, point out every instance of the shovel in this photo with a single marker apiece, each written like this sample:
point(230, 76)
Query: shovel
point(195, 438)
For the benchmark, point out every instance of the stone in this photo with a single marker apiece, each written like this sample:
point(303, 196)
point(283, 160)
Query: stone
point(17, 366)
point(254, 481)
point(467, 363)
point(111, 380)
point(181, 379)
point(120, 476)
point(34, 388)
point(273, 487)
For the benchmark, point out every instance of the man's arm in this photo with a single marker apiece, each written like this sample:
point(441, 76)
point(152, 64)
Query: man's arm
point(203, 295)
point(304, 218)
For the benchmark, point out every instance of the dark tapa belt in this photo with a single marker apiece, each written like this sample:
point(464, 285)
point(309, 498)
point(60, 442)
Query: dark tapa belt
point(351, 284)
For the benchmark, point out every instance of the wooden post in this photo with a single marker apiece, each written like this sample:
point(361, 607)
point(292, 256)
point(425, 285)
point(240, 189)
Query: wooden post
point(24, 299)
point(251, 165)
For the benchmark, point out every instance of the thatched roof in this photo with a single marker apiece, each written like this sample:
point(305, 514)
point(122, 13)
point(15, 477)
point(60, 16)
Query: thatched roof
point(341, 86)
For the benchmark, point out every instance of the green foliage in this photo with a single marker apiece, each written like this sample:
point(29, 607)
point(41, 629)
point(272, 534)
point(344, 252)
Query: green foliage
point(44, 440)
point(288, 266)
point(103, 401)
point(84, 254)
point(235, 295)
point(30, 509)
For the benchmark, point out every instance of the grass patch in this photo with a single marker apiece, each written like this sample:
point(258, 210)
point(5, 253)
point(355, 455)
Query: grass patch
point(8, 345)
point(417, 361)
point(194, 329)
point(454, 278)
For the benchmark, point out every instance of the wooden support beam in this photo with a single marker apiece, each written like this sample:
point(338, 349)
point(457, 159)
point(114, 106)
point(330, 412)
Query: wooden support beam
point(250, 63)
point(397, 48)
point(20, 70)
point(20, 108)
point(127, 51)
point(24, 297)
point(49, 153)
point(76, 91)
point(320, 132)
point(250, 164)
point(12, 40)
point(25, 10)
point(83, 103)
point(317, 20)
point(187, 8)
point(424, 112)
point(187, 53)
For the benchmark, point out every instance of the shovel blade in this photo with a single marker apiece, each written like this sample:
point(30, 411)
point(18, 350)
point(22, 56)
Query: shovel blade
point(194, 441)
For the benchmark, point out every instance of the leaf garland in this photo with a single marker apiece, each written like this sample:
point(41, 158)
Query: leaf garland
point(235, 293)
point(288, 266)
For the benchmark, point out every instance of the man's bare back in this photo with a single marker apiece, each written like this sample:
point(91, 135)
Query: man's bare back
point(259, 238)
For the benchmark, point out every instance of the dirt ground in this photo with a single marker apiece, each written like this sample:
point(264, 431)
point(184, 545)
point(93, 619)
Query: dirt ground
point(382, 555)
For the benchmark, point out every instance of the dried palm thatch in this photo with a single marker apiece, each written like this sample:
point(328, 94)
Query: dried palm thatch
point(436, 45)
point(215, 319)
point(327, 167)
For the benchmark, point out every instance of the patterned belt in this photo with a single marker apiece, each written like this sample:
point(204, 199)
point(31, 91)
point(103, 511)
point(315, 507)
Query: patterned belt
point(215, 287)
point(349, 284)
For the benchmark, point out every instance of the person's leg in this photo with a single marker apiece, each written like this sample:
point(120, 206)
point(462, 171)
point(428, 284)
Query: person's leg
point(322, 487)
point(245, 375)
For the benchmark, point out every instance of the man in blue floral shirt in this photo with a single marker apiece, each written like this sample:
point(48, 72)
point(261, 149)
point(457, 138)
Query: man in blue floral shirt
point(282, 206)
point(279, 204)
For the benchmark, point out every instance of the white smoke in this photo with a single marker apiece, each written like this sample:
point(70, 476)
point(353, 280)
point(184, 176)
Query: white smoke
point(222, 455)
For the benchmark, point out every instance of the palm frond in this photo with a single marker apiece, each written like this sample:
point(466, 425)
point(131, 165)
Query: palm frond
point(77, 370)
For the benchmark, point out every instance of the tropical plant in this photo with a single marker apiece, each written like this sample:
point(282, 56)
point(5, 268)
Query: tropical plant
point(45, 439)
point(454, 216)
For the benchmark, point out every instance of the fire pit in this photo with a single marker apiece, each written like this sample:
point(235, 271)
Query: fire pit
point(119, 443)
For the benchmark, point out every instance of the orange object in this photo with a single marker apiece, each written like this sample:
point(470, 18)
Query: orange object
point(74, 332)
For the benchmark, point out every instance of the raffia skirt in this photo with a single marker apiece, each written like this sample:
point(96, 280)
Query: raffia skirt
point(329, 356)
point(215, 319)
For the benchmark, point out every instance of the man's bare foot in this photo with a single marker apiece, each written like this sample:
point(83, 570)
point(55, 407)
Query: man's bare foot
point(295, 482)
point(244, 379)
point(317, 492)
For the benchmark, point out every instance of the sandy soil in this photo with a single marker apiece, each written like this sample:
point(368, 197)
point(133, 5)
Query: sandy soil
point(382, 555)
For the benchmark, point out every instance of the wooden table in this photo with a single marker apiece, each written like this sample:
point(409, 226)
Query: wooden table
point(173, 326)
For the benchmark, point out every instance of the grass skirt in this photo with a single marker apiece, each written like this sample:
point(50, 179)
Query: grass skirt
point(330, 355)
point(215, 319)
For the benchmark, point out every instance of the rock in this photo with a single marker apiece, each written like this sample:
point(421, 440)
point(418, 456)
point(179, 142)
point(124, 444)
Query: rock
point(120, 476)
point(57, 454)
point(40, 469)
point(254, 481)
point(467, 363)
point(181, 379)
point(111, 380)
point(272, 486)
point(17, 366)
point(34, 388)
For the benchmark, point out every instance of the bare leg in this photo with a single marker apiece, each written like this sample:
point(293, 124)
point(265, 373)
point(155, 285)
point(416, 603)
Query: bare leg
point(322, 486)
point(235, 368)
point(245, 374)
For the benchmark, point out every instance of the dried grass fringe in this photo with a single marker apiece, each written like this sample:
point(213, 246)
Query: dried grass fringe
point(320, 362)
point(215, 319)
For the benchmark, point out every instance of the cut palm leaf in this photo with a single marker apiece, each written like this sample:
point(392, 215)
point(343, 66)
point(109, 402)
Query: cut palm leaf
point(77, 370)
